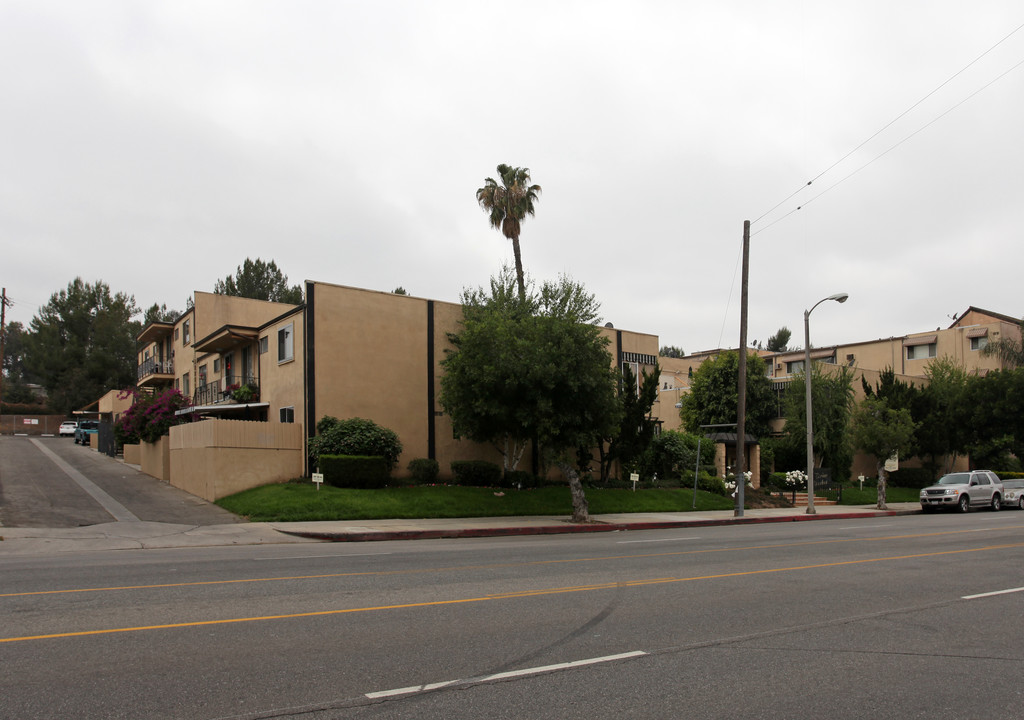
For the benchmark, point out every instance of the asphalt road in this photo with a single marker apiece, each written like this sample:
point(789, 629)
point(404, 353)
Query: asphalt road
point(53, 483)
point(873, 618)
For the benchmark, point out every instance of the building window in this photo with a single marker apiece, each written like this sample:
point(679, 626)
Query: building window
point(216, 365)
point(919, 352)
point(184, 385)
point(288, 415)
point(979, 343)
point(264, 344)
point(286, 343)
point(175, 334)
point(186, 333)
point(201, 378)
point(795, 366)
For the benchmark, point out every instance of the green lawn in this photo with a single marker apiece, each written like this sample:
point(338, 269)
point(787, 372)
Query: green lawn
point(292, 502)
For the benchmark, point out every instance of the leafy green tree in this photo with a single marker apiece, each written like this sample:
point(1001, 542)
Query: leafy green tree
point(994, 423)
point(16, 376)
point(832, 406)
point(880, 430)
point(898, 395)
point(671, 351)
point(159, 313)
point(82, 344)
point(507, 205)
point(941, 413)
point(399, 291)
point(779, 342)
point(260, 281)
point(531, 367)
point(635, 429)
point(714, 394)
point(673, 453)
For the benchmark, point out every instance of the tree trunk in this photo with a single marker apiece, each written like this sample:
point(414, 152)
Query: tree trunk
point(883, 480)
point(520, 279)
point(580, 513)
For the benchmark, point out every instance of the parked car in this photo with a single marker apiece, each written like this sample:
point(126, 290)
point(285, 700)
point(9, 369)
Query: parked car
point(67, 428)
point(1013, 493)
point(964, 490)
point(84, 430)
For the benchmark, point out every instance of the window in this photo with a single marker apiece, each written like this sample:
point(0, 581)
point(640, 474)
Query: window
point(184, 385)
point(919, 352)
point(794, 366)
point(979, 343)
point(186, 333)
point(286, 343)
point(264, 344)
point(216, 365)
point(175, 334)
point(201, 377)
point(288, 415)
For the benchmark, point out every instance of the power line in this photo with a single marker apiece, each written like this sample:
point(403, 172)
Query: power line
point(887, 126)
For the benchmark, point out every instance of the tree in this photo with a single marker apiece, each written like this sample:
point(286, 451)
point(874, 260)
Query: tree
point(993, 422)
point(399, 291)
point(531, 367)
point(1008, 349)
point(941, 413)
point(897, 394)
point(82, 344)
point(508, 204)
point(671, 351)
point(16, 376)
point(779, 342)
point(260, 281)
point(832, 406)
point(159, 313)
point(635, 428)
point(882, 431)
point(714, 394)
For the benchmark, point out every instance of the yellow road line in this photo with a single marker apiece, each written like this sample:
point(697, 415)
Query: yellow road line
point(505, 596)
point(492, 566)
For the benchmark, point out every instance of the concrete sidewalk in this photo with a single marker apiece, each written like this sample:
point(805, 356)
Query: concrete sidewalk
point(140, 535)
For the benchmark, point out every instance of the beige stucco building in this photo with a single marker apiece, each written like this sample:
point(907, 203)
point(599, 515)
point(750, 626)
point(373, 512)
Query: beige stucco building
point(345, 352)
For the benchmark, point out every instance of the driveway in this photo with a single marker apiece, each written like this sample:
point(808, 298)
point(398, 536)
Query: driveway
point(51, 482)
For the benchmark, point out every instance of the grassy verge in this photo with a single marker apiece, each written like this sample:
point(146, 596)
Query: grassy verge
point(295, 503)
point(869, 496)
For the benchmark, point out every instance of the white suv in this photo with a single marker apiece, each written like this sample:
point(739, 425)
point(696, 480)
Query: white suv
point(964, 490)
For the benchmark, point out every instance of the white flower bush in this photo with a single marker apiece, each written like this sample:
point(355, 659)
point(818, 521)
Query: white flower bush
point(796, 478)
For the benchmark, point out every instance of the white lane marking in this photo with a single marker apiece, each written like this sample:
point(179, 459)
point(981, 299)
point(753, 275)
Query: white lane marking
point(627, 542)
point(116, 510)
point(870, 527)
point(505, 675)
point(990, 594)
point(316, 557)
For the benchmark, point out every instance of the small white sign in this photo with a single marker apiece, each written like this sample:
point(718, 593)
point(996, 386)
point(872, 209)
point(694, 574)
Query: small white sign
point(30, 421)
point(318, 478)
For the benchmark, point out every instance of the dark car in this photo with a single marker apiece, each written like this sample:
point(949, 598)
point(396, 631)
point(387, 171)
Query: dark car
point(84, 430)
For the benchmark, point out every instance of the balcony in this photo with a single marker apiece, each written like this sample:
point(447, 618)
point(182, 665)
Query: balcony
point(227, 390)
point(154, 373)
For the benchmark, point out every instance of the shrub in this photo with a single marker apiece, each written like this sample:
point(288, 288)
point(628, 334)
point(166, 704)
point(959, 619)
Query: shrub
point(476, 473)
point(150, 416)
point(672, 453)
point(911, 477)
point(712, 484)
point(520, 479)
point(424, 471)
point(354, 436)
point(354, 471)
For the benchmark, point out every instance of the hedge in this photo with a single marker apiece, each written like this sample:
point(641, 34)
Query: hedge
point(354, 471)
point(476, 473)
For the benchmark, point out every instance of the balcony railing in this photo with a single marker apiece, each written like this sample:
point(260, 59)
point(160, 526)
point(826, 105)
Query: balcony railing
point(226, 389)
point(152, 366)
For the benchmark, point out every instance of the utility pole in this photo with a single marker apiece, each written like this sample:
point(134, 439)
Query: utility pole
point(741, 404)
point(3, 339)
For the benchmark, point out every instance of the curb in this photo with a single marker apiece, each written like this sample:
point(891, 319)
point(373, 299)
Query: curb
point(382, 535)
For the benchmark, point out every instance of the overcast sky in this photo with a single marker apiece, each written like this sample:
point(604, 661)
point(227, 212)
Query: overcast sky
point(155, 145)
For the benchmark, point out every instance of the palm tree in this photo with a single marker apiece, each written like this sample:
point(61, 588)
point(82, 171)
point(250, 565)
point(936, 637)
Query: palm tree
point(1008, 349)
point(508, 205)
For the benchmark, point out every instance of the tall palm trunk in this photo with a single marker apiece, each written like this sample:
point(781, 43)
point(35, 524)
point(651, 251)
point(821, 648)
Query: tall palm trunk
point(519, 268)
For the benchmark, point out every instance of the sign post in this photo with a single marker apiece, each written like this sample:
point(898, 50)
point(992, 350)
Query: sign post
point(318, 478)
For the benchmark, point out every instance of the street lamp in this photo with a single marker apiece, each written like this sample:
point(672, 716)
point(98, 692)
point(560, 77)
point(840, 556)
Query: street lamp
point(840, 298)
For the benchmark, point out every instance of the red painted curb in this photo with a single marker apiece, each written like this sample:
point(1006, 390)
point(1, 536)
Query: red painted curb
point(376, 536)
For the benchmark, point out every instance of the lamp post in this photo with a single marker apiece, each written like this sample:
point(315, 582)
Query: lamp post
point(840, 298)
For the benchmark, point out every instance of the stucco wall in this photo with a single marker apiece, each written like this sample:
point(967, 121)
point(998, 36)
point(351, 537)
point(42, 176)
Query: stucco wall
point(155, 459)
point(215, 458)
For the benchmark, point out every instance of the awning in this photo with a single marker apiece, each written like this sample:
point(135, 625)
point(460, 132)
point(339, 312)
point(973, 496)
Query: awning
point(797, 356)
point(228, 337)
point(977, 332)
point(920, 340)
point(216, 409)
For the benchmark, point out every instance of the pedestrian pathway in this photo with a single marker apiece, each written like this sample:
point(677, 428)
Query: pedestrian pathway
point(137, 535)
